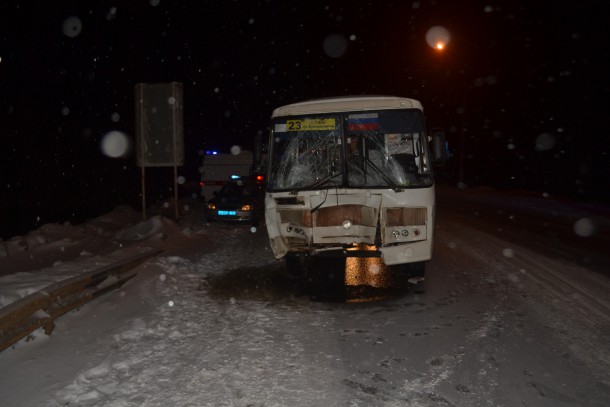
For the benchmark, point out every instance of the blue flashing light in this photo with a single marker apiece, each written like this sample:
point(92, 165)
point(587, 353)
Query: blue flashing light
point(211, 152)
point(235, 176)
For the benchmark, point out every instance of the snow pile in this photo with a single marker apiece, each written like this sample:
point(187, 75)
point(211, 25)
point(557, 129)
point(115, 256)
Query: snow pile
point(53, 240)
point(143, 230)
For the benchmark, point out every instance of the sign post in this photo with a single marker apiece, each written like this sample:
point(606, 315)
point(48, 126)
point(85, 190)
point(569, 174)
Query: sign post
point(159, 131)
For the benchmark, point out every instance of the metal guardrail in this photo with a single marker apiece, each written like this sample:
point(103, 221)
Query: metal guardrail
point(41, 309)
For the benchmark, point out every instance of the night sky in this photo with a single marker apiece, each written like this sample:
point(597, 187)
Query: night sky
point(521, 88)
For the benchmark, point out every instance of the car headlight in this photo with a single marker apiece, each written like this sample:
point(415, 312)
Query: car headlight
point(212, 206)
point(246, 208)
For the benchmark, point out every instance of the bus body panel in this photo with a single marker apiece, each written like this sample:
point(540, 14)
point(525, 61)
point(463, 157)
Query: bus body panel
point(293, 227)
point(347, 104)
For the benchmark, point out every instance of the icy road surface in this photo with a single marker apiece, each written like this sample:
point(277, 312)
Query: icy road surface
point(213, 322)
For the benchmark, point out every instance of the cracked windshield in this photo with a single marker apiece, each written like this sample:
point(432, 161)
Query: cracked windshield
point(384, 149)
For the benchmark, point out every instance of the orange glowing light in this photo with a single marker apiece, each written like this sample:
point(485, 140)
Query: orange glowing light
point(438, 37)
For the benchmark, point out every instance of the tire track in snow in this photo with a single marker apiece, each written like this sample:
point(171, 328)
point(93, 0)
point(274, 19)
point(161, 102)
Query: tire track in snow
point(510, 263)
point(517, 273)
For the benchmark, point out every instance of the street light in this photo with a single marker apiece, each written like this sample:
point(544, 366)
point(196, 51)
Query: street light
point(438, 37)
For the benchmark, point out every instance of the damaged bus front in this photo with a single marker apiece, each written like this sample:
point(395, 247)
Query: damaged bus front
point(352, 176)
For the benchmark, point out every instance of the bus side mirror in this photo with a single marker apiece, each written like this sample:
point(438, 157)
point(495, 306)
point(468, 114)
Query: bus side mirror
point(439, 146)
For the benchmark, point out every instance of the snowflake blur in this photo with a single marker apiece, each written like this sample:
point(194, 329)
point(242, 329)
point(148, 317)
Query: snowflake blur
point(115, 144)
point(72, 26)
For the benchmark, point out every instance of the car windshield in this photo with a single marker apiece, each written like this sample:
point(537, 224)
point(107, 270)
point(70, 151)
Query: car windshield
point(237, 189)
point(383, 149)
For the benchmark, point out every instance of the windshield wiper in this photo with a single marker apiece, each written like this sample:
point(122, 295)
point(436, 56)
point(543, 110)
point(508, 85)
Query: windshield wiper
point(322, 182)
point(387, 179)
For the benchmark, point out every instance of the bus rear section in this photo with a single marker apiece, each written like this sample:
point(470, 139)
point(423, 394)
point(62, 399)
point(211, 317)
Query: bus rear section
point(351, 177)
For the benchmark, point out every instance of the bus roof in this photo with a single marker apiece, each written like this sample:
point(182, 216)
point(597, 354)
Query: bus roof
point(347, 104)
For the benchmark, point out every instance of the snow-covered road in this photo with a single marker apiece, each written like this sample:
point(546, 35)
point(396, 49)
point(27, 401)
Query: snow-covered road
point(214, 322)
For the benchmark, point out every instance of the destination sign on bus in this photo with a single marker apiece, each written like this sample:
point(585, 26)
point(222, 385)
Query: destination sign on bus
point(311, 124)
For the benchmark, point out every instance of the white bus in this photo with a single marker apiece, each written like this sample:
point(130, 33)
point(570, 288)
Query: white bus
point(352, 176)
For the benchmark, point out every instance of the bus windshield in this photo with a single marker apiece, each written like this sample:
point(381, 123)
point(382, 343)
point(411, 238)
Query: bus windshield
point(373, 149)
